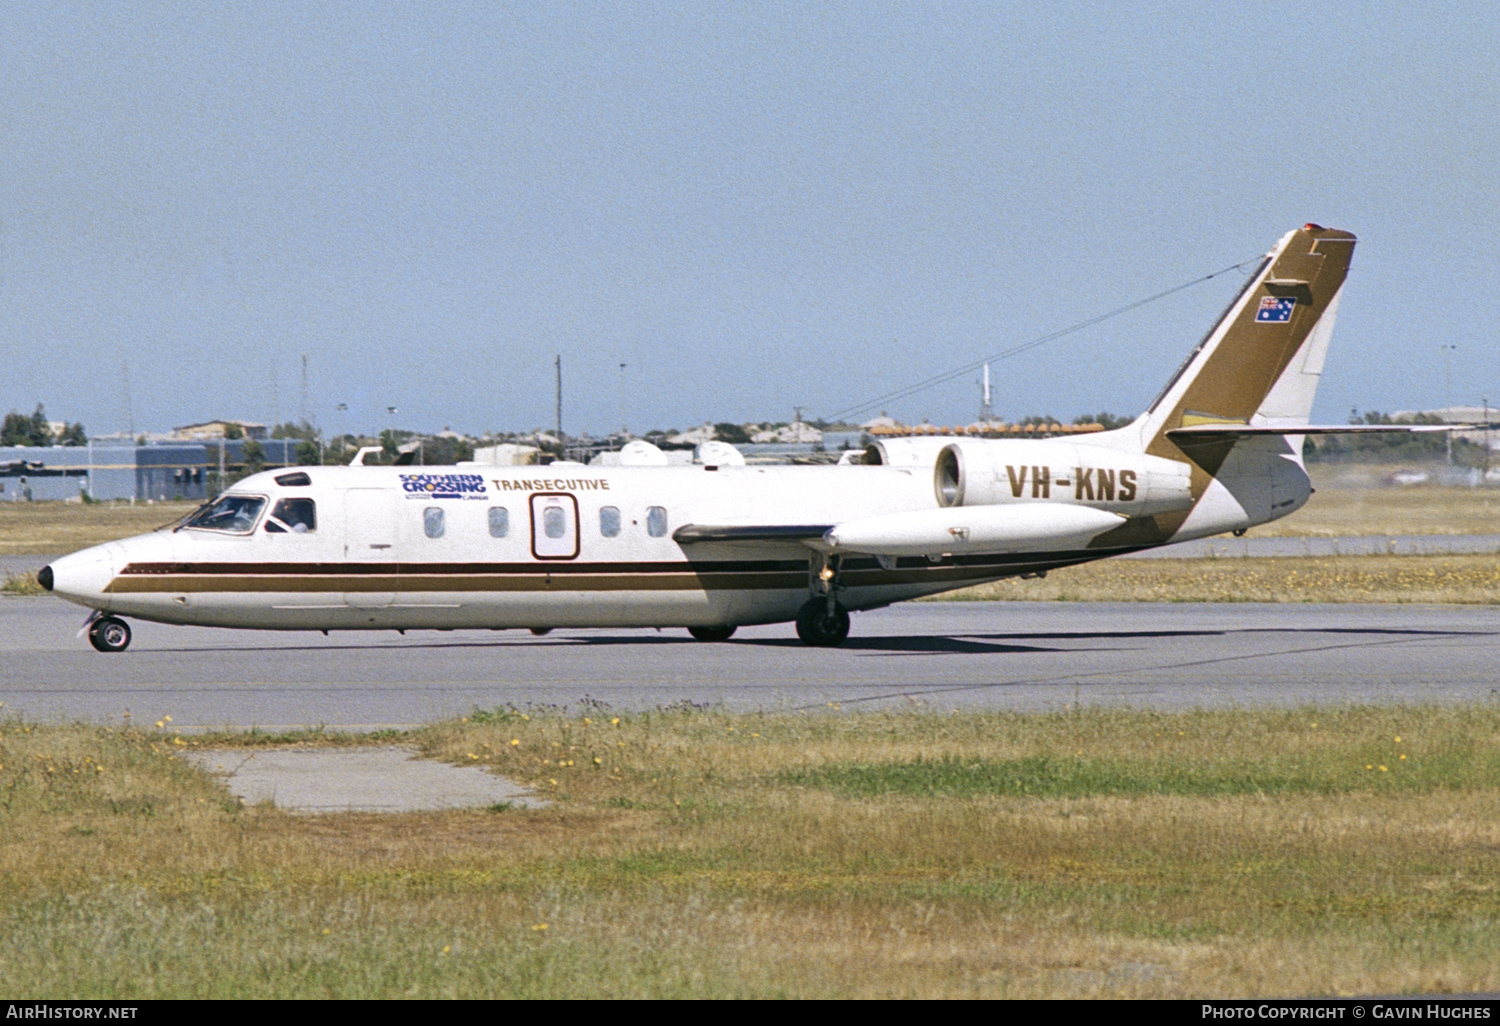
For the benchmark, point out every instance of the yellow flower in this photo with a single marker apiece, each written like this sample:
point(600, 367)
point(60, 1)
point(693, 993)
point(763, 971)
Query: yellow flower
point(1403, 755)
point(515, 742)
point(447, 948)
point(540, 927)
point(167, 718)
point(1384, 770)
point(326, 931)
point(1398, 740)
point(1368, 766)
point(615, 721)
point(598, 761)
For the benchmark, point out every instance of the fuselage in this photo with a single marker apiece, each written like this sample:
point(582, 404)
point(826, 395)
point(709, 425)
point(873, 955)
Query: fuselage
point(350, 548)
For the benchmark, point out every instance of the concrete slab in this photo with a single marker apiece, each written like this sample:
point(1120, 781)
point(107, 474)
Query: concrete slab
point(313, 780)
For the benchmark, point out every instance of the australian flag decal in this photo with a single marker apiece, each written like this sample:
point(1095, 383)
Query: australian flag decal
point(1275, 309)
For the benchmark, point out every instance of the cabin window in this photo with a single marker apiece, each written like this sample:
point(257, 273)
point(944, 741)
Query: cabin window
point(233, 513)
point(609, 521)
point(432, 522)
point(499, 521)
point(554, 522)
point(656, 521)
point(299, 516)
point(297, 479)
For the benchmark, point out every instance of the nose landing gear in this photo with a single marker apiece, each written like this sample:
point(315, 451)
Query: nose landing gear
point(109, 634)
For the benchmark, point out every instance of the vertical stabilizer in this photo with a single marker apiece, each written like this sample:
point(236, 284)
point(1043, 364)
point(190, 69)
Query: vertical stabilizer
point(1261, 362)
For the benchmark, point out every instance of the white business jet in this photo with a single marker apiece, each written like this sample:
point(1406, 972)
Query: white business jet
point(711, 547)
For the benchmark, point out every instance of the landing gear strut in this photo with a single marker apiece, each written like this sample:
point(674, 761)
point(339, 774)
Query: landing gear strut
point(109, 634)
point(822, 621)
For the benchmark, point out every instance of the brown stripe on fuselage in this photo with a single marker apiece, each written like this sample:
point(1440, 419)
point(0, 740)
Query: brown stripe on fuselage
point(722, 575)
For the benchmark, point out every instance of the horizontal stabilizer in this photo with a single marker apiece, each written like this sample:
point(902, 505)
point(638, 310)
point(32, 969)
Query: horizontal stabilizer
point(1217, 432)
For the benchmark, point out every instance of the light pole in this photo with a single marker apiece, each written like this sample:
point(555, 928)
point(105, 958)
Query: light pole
point(1448, 348)
point(343, 408)
point(624, 433)
point(392, 411)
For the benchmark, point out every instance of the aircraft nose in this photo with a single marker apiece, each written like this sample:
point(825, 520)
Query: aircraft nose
point(82, 576)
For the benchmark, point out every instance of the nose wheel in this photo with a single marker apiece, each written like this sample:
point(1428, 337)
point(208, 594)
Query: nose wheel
point(109, 634)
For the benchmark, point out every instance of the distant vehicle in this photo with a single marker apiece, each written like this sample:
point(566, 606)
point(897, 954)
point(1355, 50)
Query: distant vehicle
point(1408, 478)
point(715, 546)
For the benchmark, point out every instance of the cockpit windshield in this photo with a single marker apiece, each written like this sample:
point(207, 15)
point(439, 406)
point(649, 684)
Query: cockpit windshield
point(235, 513)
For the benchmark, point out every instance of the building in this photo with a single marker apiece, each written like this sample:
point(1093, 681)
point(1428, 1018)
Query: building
point(142, 473)
point(213, 430)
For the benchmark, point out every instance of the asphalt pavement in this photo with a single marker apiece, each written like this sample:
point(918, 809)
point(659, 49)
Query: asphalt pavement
point(1018, 655)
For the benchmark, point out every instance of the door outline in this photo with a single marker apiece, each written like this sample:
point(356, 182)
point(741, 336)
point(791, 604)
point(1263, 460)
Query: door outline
point(537, 503)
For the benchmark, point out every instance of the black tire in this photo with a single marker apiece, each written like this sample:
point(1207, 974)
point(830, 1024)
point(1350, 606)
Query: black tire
point(539, 631)
point(817, 628)
point(109, 634)
point(722, 632)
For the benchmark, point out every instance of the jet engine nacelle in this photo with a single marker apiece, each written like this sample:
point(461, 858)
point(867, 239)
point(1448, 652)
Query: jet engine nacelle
point(985, 473)
point(972, 530)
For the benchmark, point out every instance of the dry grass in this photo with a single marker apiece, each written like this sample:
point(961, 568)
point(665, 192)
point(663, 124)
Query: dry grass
point(1470, 579)
point(51, 528)
point(1347, 502)
point(701, 856)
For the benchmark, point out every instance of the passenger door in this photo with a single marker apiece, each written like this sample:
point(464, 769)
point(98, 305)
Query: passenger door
point(554, 526)
point(369, 548)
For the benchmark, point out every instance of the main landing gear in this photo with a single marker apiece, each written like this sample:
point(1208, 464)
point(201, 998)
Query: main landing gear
point(719, 632)
point(823, 622)
point(109, 634)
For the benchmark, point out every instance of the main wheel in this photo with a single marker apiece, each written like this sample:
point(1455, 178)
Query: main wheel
point(109, 634)
point(816, 627)
point(539, 631)
point(721, 632)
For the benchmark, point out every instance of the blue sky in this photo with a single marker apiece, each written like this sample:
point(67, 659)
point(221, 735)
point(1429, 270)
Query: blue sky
point(752, 206)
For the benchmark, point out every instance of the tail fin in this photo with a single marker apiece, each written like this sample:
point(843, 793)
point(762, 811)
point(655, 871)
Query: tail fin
point(1261, 362)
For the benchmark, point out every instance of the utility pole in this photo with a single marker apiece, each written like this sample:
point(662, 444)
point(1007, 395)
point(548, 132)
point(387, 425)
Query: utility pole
point(559, 400)
point(302, 410)
point(624, 432)
point(1447, 349)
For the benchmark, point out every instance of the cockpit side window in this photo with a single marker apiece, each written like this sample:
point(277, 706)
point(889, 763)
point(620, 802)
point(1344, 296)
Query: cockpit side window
point(235, 514)
point(297, 516)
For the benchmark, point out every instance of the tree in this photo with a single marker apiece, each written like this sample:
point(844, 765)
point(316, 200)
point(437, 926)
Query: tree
point(734, 434)
point(20, 429)
point(254, 455)
point(307, 454)
point(233, 431)
point(41, 431)
point(73, 434)
point(17, 430)
point(302, 430)
point(1108, 421)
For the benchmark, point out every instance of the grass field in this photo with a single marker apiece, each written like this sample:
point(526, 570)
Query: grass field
point(695, 854)
point(1472, 579)
point(52, 528)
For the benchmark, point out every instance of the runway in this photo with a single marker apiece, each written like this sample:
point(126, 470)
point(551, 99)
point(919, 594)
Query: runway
point(943, 655)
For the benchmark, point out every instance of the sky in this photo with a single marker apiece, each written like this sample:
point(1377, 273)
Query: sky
point(754, 206)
